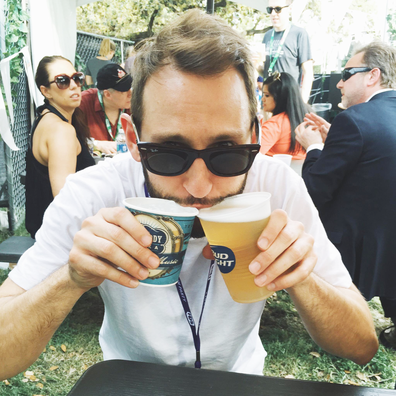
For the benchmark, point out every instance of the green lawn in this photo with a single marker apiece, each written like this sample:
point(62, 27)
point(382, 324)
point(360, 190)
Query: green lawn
point(291, 353)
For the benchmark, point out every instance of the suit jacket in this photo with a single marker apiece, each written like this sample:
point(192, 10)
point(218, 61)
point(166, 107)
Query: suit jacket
point(353, 185)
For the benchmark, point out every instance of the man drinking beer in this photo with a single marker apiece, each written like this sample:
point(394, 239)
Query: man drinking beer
point(192, 139)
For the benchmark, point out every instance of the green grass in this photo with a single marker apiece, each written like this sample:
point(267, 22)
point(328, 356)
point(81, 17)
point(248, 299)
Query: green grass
point(56, 370)
point(291, 352)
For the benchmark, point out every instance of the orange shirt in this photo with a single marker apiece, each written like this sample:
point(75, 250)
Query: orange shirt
point(275, 137)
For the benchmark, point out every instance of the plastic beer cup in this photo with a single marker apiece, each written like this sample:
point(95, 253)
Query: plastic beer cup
point(232, 228)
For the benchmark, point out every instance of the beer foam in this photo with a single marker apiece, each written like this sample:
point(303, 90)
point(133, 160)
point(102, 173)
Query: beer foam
point(159, 206)
point(239, 208)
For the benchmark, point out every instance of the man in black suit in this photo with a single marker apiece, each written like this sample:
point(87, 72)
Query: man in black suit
point(350, 173)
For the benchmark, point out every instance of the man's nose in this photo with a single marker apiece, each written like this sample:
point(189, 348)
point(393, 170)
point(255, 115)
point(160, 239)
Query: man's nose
point(198, 179)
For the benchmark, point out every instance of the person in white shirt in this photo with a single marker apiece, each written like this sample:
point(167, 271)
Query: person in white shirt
point(88, 239)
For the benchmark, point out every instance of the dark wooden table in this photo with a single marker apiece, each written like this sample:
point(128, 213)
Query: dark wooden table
point(126, 378)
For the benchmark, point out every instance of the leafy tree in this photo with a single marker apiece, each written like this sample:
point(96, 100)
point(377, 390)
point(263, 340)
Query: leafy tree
point(15, 28)
point(391, 19)
point(15, 38)
point(135, 20)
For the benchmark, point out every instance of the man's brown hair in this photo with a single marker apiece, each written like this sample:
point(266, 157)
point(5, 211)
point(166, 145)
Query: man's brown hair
point(195, 43)
point(382, 56)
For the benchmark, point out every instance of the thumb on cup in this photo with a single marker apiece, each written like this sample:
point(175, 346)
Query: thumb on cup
point(207, 252)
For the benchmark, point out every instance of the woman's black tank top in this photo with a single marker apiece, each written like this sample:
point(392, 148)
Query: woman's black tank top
point(38, 187)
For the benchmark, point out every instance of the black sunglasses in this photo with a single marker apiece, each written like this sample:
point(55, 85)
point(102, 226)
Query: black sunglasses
point(62, 81)
point(348, 72)
point(277, 9)
point(166, 160)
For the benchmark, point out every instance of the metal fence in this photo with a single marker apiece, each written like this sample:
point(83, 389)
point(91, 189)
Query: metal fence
point(88, 45)
point(12, 191)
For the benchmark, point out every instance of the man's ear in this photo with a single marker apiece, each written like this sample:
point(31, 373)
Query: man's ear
point(254, 135)
point(375, 76)
point(126, 123)
point(106, 93)
point(256, 131)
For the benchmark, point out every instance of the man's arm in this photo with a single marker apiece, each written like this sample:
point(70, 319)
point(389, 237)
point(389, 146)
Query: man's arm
point(28, 319)
point(307, 79)
point(88, 80)
point(105, 146)
point(337, 318)
point(323, 173)
point(113, 238)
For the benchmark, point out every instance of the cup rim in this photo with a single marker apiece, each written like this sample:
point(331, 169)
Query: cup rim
point(186, 211)
point(221, 216)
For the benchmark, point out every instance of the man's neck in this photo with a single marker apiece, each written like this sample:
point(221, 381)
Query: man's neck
point(111, 111)
point(280, 28)
point(377, 91)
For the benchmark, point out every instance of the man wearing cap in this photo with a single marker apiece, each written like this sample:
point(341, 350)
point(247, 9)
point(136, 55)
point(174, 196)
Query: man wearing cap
point(104, 105)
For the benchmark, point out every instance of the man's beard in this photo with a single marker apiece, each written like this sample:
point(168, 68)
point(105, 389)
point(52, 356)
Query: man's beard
point(197, 231)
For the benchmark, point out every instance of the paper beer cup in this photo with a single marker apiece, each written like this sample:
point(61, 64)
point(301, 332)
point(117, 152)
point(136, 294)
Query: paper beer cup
point(170, 226)
point(232, 228)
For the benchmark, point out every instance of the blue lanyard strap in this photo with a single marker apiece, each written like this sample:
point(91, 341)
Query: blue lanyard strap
point(189, 317)
point(186, 306)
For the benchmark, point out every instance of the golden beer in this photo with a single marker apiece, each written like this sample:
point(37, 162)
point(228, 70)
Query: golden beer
point(234, 244)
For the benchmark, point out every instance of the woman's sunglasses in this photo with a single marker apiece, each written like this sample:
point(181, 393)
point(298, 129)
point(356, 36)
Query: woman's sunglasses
point(62, 81)
point(166, 160)
point(347, 73)
point(277, 9)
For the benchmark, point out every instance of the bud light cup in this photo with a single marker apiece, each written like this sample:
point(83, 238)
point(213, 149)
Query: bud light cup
point(170, 226)
point(233, 228)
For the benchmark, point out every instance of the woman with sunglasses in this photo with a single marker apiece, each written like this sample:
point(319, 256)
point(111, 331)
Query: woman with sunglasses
point(58, 139)
point(282, 98)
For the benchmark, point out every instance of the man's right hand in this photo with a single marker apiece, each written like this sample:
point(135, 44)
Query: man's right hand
point(111, 239)
point(319, 122)
point(106, 147)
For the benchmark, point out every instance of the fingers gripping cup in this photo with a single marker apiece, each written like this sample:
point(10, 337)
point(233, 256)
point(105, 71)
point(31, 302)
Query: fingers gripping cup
point(233, 228)
point(170, 226)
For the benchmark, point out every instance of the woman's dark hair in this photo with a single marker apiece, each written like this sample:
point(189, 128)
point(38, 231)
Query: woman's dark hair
point(42, 78)
point(287, 97)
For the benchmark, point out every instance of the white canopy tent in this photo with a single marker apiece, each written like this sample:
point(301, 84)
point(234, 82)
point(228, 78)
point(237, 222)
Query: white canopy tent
point(59, 37)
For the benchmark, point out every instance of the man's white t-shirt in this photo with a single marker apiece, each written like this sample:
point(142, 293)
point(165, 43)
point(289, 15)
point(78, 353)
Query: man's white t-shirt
point(149, 324)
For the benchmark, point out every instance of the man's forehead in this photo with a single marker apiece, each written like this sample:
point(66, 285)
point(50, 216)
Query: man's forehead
point(278, 3)
point(185, 94)
point(356, 60)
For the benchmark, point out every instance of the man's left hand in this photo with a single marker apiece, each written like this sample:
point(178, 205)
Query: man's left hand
point(307, 134)
point(287, 256)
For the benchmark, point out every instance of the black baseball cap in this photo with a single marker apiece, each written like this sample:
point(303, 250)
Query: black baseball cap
point(113, 76)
